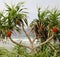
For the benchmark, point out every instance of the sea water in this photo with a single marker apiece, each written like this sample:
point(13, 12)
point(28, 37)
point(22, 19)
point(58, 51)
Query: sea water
point(19, 38)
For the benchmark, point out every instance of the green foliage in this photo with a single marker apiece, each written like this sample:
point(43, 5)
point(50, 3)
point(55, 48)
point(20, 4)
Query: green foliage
point(5, 53)
point(23, 52)
point(15, 17)
point(42, 15)
point(47, 19)
point(12, 18)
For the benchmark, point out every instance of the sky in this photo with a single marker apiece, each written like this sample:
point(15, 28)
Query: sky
point(32, 6)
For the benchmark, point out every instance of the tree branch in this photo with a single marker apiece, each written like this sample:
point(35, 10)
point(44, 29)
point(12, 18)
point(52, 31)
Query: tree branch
point(27, 35)
point(19, 44)
point(45, 41)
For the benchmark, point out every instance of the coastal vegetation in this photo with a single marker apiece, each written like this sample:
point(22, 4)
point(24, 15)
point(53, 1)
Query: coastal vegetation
point(45, 29)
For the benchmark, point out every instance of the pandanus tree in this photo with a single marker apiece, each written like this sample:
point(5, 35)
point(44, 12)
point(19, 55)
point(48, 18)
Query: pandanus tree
point(46, 25)
point(40, 25)
point(15, 18)
point(47, 20)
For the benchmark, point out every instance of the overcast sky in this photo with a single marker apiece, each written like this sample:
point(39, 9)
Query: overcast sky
point(32, 6)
